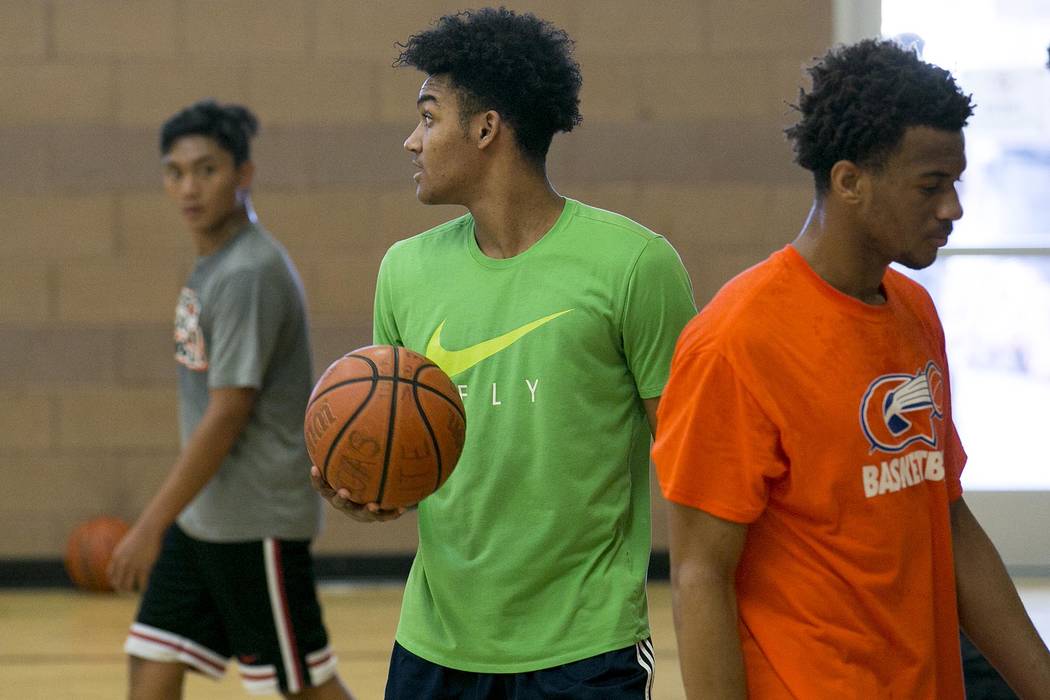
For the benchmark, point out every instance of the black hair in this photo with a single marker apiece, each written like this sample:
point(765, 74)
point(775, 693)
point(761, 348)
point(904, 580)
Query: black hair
point(863, 98)
point(232, 126)
point(516, 64)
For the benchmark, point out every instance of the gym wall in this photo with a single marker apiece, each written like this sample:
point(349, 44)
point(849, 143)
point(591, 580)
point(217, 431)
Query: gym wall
point(684, 103)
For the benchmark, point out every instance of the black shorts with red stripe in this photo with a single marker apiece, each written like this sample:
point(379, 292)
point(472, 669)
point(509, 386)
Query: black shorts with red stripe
point(255, 602)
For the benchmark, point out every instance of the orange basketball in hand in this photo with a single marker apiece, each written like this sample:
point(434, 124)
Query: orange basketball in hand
point(89, 549)
point(386, 424)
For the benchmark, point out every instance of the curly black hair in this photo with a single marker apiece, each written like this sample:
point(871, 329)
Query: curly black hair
point(863, 98)
point(232, 126)
point(516, 64)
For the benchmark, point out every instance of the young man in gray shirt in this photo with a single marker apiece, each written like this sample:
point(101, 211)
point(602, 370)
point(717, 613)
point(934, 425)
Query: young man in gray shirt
point(222, 548)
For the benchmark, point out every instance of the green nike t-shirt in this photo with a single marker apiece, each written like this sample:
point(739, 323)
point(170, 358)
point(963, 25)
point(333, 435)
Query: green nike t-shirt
point(534, 553)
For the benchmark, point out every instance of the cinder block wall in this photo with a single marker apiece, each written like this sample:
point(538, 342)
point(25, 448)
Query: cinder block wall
point(683, 103)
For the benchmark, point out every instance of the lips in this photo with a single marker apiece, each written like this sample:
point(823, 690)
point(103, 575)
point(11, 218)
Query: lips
point(941, 235)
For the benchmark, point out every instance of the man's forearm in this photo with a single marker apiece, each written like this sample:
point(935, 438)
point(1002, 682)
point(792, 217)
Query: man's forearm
point(991, 612)
point(709, 651)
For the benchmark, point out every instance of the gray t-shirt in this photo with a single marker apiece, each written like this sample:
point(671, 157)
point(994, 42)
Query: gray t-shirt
point(241, 322)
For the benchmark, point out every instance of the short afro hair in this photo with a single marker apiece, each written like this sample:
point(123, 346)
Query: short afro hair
point(232, 126)
point(516, 64)
point(863, 98)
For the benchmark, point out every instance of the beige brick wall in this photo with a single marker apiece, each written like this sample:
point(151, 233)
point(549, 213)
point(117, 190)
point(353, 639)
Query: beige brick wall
point(27, 421)
point(676, 27)
point(26, 297)
point(117, 291)
point(263, 28)
point(23, 29)
point(114, 418)
point(56, 93)
point(683, 101)
point(94, 29)
point(338, 92)
point(57, 227)
point(146, 89)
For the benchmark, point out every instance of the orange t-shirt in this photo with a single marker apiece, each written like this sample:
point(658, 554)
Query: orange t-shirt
point(824, 424)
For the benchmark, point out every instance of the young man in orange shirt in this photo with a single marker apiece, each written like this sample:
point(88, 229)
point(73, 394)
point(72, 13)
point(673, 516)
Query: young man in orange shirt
point(820, 544)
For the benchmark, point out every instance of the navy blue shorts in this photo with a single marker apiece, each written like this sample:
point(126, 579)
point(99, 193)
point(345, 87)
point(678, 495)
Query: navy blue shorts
point(208, 602)
point(623, 674)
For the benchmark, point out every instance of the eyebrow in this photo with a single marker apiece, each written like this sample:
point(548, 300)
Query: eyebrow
point(426, 97)
point(167, 160)
point(937, 174)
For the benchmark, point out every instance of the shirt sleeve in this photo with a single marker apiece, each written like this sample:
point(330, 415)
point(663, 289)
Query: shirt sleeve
point(246, 318)
point(384, 325)
point(715, 449)
point(954, 454)
point(658, 305)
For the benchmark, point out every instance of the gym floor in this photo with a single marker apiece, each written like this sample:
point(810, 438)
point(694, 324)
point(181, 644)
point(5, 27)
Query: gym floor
point(66, 644)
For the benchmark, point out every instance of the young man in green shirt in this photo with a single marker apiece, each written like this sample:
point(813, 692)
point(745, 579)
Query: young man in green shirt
point(557, 322)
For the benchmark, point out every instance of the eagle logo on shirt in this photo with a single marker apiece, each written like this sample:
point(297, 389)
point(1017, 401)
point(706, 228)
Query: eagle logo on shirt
point(901, 409)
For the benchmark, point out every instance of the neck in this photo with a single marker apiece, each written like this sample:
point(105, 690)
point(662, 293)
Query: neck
point(210, 240)
point(514, 211)
point(837, 254)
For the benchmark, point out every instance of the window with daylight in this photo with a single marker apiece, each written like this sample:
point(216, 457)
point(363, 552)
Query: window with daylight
point(992, 282)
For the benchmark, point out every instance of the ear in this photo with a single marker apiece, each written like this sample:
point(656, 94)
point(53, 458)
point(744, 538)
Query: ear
point(486, 128)
point(245, 173)
point(849, 182)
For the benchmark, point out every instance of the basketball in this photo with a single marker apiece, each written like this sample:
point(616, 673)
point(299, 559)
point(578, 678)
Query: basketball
point(89, 549)
point(386, 424)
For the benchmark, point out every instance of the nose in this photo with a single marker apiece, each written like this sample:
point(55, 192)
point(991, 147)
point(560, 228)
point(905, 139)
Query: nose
point(188, 185)
point(950, 208)
point(413, 144)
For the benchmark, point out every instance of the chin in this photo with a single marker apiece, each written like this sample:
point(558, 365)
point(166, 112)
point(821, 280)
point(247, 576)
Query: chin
point(914, 263)
point(202, 228)
point(423, 195)
point(429, 197)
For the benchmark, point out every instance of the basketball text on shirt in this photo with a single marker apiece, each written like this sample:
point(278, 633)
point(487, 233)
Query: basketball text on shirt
point(897, 411)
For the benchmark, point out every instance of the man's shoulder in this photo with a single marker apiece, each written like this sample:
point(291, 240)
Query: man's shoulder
point(914, 297)
point(740, 311)
point(757, 288)
point(438, 235)
point(253, 246)
point(254, 254)
point(443, 236)
point(610, 223)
